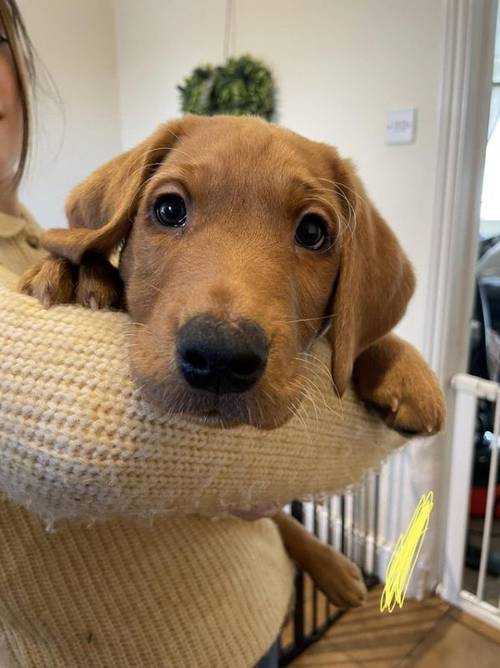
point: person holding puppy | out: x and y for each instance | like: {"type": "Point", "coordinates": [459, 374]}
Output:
{"type": "Point", "coordinates": [184, 591]}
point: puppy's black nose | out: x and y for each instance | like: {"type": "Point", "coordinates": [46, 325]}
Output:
{"type": "Point", "coordinates": [220, 357]}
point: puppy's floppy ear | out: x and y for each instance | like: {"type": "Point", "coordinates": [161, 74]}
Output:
{"type": "Point", "coordinates": [101, 209]}
{"type": "Point", "coordinates": [375, 279]}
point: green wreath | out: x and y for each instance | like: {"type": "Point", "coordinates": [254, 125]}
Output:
{"type": "Point", "coordinates": [243, 86]}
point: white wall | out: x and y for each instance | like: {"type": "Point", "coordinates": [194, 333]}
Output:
{"type": "Point", "coordinates": [76, 43]}
{"type": "Point", "coordinates": [159, 43]}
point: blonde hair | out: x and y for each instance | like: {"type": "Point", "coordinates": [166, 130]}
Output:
{"type": "Point", "coordinates": [23, 56]}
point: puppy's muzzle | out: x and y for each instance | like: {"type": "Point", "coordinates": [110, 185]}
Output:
{"type": "Point", "coordinates": [221, 357]}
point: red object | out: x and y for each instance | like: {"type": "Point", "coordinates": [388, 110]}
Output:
{"type": "Point", "coordinates": [478, 502]}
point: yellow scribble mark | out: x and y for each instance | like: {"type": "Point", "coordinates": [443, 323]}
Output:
{"type": "Point", "coordinates": [405, 555]}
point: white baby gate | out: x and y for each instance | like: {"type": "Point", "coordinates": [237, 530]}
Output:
{"type": "Point", "coordinates": [469, 390]}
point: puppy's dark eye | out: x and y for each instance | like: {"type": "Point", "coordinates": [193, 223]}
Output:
{"type": "Point", "coordinates": [170, 210]}
{"type": "Point", "coordinates": [311, 232]}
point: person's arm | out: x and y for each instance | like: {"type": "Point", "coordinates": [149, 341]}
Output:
{"type": "Point", "coordinates": [77, 440]}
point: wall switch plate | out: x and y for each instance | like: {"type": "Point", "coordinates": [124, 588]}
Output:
{"type": "Point", "coordinates": [401, 126]}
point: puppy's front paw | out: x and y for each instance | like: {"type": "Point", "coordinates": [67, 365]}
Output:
{"type": "Point", "coordinates": [51, 281]}
{"type": "Point", "coordinates": [337, 577]}
{"type": "Point", "coordinates": [393, 377]}
{"type": "Point", "coordinates": [99, 284]}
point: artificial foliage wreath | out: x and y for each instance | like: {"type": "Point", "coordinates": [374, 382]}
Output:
{"type": "Point", "coordinates": [243, 86]}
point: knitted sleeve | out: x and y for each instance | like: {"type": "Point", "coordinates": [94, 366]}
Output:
{"type": "Point", "coordinates": [77, 440]}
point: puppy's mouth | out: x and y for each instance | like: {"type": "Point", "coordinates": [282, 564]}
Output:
{"type": "Point", "coordinates": [213, 418]}
{"type": "Point", "coordinates": [214, 421]}
{"type": "Point", "coordinates": [223, 411]}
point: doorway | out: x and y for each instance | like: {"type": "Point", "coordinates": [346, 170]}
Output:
{"type": "Point", "coordinates": [482, 555]}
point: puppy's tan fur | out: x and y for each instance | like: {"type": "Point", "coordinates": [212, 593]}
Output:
{"type": "Point", "coordinates": [247, 184]}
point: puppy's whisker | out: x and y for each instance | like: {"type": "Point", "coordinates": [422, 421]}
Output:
{"type": "Point", "coordinates": [249, 413]}
{"type": "Point", "coordinates": [259, 408]}
{"type": "Point", "coordinates": [343, 186]}
{"type": "Point", "coordinates": [329, 408]}
{"type": "Point", "coordinates": [299, 414]}
{"type": "Point", "coordinates": [143, 325]}
{"type": "Point", "coordinates": [310, 397]}
{"type": "Point", "coordinates": [155, 287]}
{"type": "Point", "coordinates": [320, 373]}
{"type": "Point", "coordinates": [294, 410]}
{"type": "Point", "coordinates": [352, 213]}
{"type": "Point", "coordinates": [320, 317]}
{"type": "Point", "coordinates": [269, 397]}
{"type": "Point", "coordinates": [317, 363]}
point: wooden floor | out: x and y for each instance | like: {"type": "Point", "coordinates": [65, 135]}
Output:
{"type": "Point", "coordinates": [428, 634]}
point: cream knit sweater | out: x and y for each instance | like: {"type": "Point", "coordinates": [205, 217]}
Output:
{"type": "Point", "coordinates": [77, 441]}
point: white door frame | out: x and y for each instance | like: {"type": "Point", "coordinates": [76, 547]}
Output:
{"type": "Point", "coordinates": [463, 123]}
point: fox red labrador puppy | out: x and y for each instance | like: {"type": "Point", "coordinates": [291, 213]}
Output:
{"type": "Point", "coordinates": [240, 244]}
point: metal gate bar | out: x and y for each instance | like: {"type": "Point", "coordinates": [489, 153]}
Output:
{"type": "Point", "coordinates": [490, 502]}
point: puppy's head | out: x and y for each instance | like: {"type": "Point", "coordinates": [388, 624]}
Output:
{"type": "Point", "coordinates": [241, 243]}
